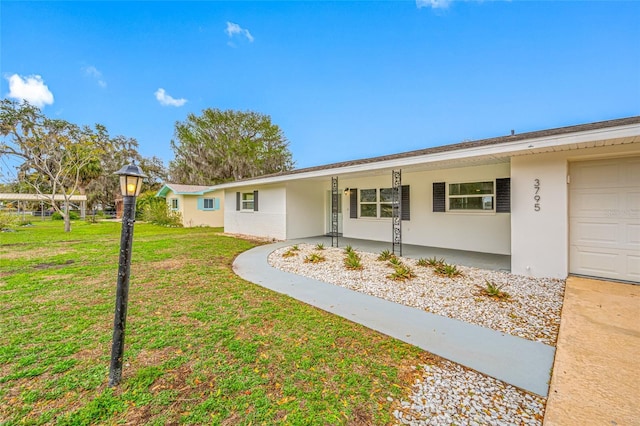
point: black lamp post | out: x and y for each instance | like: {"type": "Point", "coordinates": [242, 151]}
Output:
{"type": "Point", "coordinates": [130, 184]}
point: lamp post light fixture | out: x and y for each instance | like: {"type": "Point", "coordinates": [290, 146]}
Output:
{"type": "Point", "coordinates": [130, 184]}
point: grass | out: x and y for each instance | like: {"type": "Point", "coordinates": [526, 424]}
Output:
{"type": "Point", "coordinates": [202, 346]}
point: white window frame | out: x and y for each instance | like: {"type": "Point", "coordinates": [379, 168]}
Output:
{"type": "Point", "coordinates": [378, 203]}
{"type": "Point", "coordinates": [210, 201]}
{"type": "Point", "coordinates": [174, 204]}
{"type": "Point", "coordinates": [490, 197]}
{"type": "Point", "coordinates": [246, 203]}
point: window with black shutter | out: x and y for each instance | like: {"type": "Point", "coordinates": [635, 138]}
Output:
{"type": "Point", "coordinates": [439, 197]}
{"type": "Point", "coordinates": [503, 195]}
{"type": "Point", "coordinates": [353, 203]}
{"type": "Point", "coordinates": [405, 203]}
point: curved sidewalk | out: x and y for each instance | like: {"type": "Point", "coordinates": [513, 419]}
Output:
{"type": "Point", "coordinates": [519, 362]}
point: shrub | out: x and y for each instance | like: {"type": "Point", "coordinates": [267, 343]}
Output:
{"type": "Point", "coordinates": [422, 262]}
{"type": "Point", "coordinates": [353, 261]}
{"type": "Point", "coordinates": [386, 255]}
{"type": "Point", "coordinates": [289, 253]}
{"type": "Point", "coordinates": [314, 258]}
{"type": "Point", "coordinates": [394, 261]}
{"type": "Point", "coordinates": [161, 214]}
{"type": "Point", "coordinates": [447, 270]}
{"type": "Point", "coordinates": [319, 246]}
{"type": "Point", "coordinates": [8, 220]}
{"type": "Point", "coordinates": [58, 216]}
{"type": "Point", "coordinates": [434, 262]}
{"type": "Point", "coordinates": [348, 249]}
{"type": "Point", "coordinates": [401, 272]}
{"type": "Point", "coordinates": [493, 291]}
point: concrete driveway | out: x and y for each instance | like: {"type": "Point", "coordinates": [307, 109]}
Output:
{"type": "Point", "coordinates": [596, 372]}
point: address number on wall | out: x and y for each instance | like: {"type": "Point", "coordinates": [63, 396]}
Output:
{"type": "Point", "coordinates": [536, 195]}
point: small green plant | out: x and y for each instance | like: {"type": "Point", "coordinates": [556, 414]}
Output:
{"type": "Point", "coordinates": [295, 247]}
{"type": "Point", "coordinates": [435, 262]}
{"type": "Point", "coordinates": [319, 246]}
{"type": "Point", "coordinates": [401, 273]}
{"type": "Point", "coordinates": [394, 261]}
{"type": "Point", "coordinates": [386, 255]}
{"type": "Point", "coordinates": [353, 261]}
{"type": "Point", "coordinates": [422, 262]}
{"type": "Point", "coordinates": [314, 258]}
{"type": "Point", "coordinates": [494, 291]}
{"type": "Point", "coordinates": [348, 249]}
{"type": "Point", "coordinates": [447, 270]}
{"type": "Point", "coordinates": [289, 253]}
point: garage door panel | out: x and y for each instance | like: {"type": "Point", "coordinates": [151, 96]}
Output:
{"type": "Point", "coordinates": [594, 204]}
{"type": "Point", "coordinates": [596, 175]}
{"type": "Point", "coordinates": [596, 262]}
{"type": "Point", "coordinates": [604, 218]}
{"type": "Point", "coordinates": [633, 267]}
{"type": "Point", "coordinates": [584, 232]}
{"type": "Point", "coordinates": [633, 235]}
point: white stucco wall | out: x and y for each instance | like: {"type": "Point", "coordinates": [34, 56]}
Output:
{"type": "Point", "coordinates": [540, 239]}
{"type": "Point", "coordinates": [305, 208]}
{"type": "Point", "coordinates": [539, 245]}
{"type": "Point", "coordinates": [473, 231]}
{"type": "Point", "coordinates": [270, 219]}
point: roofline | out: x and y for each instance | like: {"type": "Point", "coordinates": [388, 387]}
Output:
{"type": "Point", "coordinates": [622, 127]}
{"type": "Point", "coordinates": [162, 193]}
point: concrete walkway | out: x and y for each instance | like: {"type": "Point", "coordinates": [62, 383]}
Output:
{"type": "Point", "coordinates": [596, 375]}
{"type": "Point", "coordinates": [517, 361]}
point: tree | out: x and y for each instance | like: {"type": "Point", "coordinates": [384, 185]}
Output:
{"type": "Point", "coordinates": [55, 154]}
{"type": "Point", "coordinates": [221, 146]}
{"type": "Point", "coordinates": [120, 151]}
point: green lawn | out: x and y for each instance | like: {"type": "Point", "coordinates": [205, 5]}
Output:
{"type": "Point", "coordinates": [202, 346]}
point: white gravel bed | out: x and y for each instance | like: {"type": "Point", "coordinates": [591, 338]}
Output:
{"type": "Point", "coordinates": [449, 394]}
{"type": "Point", "coordinates": [532, 311]}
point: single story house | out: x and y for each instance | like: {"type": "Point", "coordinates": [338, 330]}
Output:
{"type": "Point", "coordinates": [559, 201]}
{"type": "Point", "coordinates": [197, 205]}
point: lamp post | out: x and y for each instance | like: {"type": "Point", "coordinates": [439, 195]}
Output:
{"type": "Point", "coordinates": [130, 184]}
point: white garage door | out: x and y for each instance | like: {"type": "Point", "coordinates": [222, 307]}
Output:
{"type": "Point", "coordinates": [604, 220]}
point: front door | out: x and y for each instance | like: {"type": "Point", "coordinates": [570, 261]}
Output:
{"type": "Point", "coordinates": [327, 226]}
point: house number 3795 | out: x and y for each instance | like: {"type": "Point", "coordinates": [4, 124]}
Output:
{"type": "Point", "coordinates": [536, 195]}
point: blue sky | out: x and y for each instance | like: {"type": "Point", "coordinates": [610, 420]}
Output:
{"type": "Point", "coordinates": [344, 80]}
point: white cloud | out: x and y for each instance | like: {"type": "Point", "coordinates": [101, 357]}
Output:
{"type": "Point", "coordinates": [93, 72]}
{"type": "Point", "coordinates": [166, 100]}
{"type": "Point", "coordinates": [235, 29]}
{"type": "Point", "coordinates": [31, 89]}
{"type": "Point", "coordinates": [435, 4]}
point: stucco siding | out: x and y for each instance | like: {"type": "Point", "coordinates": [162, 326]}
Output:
{"type": "Point", "coordinates": [270, 219]}
{"type": "Point", "coordinates": [305, 208]}
{"type": "Point", "coordinates": [191, 216]}
{"type": "Point", "coordinates": [540, 238]}
{"type": "Point", "coordinates": [487, 232]}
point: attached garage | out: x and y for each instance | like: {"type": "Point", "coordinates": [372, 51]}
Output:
{"type": "Point", "coordinates": [604, 218]}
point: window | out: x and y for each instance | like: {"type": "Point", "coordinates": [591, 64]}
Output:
{"type": "Point", "coordinates": [247, 201]}
{"type": "Point", "coordinates": [376, 203]}
{"type": "Point", "coordinates": [471, 196]}
{"type": "Point", "coordinates": [174, 203]}
{"type": "Point", "coordinates": [208, 204]}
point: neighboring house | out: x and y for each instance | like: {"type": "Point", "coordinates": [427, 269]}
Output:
{"type": "Point", "coordinates": [558, 201]}
{"type": "Point", "coordinates": [198, 205]}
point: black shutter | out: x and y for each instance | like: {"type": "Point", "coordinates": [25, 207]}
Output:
{"type": "Point", "coordinates": [353, 203]}
{"type": "Point", "coordinates": [405, 203]}
{"type": "Point", "coordinates": [255, 201]}
{"type": "Point", "coordinates": [439, 197]}
{"type": "Point", "coordinates": [503, 195]}
{"type": "Point", "coordinates": [237, 201]}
